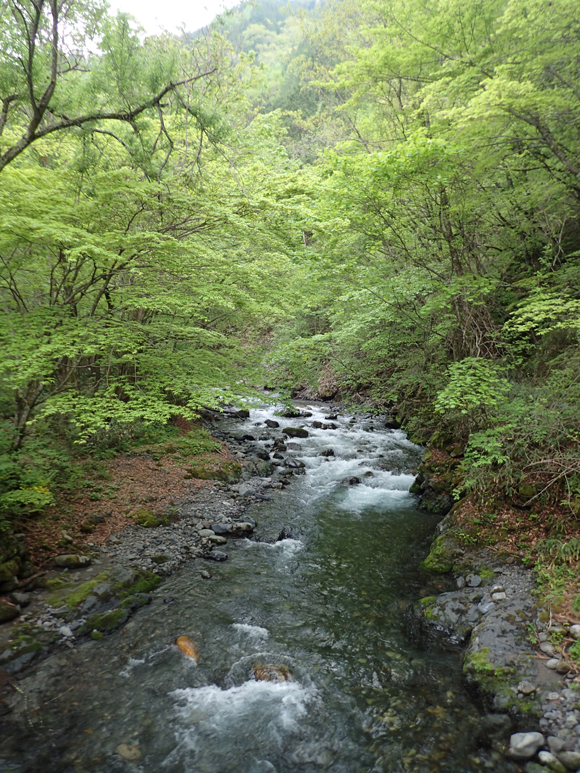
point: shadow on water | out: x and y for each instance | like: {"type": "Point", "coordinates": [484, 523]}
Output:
{"type": "Point", "coordinates": [328, 603]}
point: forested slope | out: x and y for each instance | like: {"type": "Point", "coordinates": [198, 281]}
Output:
{"type": "Point", "coordinates": [377, 200]}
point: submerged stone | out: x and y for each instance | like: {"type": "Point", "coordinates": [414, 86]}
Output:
{"type": "Point", "coordinates": [187, 646]}
{"type": "Point", "coordinates": [268, 672]}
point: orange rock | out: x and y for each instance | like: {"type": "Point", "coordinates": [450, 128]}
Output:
{"type": "Point", "coordinates": [268, 672]}
{"type": "Point", "coordinates": [186, 645]}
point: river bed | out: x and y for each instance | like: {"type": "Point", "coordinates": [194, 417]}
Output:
{"type": "Point", "coordinates": [328, 602]}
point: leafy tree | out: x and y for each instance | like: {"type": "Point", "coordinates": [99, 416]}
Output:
{"type": "Point", "coordinates": [50, 82]}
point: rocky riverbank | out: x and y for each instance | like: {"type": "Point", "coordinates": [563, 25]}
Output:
{"type": "Point", "coordinates": [515, 658]}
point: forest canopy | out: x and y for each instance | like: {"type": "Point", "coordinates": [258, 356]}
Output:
{"type": "Point", "coordinates": [377, 200]}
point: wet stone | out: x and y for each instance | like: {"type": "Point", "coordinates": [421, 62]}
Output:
{"type": "Point", "coordinates": [216, 555]}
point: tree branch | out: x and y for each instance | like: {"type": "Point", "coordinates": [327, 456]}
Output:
{"type": "Point", "coordinates": [128, 116]}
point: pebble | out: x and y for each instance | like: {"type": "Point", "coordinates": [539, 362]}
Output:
{"type": "Point", "coordinates": [499, 596]}
{"type": "Point", "coordinates": [523, 746]}
{"type": "Point", "coordinates": [547, 648]}
{"type": "Point", "coordinates": [526, 688]}
{"type": "Point", "coordinates": [555, 744]}
{"type": "Point", "coordinates": [571, 760]}
{"type": "Point", "coordinates": [552, 762]}
{"type": "Point", "coordinates": [575, 631]}
{"type": "Point", "coordinates": [552, 663]}
{"type": "Point", "coordinates": [474, 581]}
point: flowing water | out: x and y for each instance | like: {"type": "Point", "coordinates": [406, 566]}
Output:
{"type": "Point", "coordinates": [328, 603]}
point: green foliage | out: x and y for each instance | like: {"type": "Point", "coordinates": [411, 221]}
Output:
{"type": "Point", "coordinates": [474, 385]}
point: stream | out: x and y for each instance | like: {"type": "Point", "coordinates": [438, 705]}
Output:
{"type": "Point", "coordinates": [327, 602]}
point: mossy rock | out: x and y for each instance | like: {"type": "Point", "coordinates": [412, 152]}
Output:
{"type": "Point", "coordinates": [107, 621]}
{"type": "Point", "coordinates": [21, 644]}
{"type": "Point", "coordinates": [74, 597]}
{"type": "Point", "coordinates": [425, 607]}
{"type": "Point", "coordinates": [9, 569]}
{"type": "Point", "coordinates": [441, 556]}
{"type": "Point", "coordinates": [228, 472]}
{"type": "Point", "coordinates": [150, 520]}
{"type": "Point", "coordinates": [145, 582]}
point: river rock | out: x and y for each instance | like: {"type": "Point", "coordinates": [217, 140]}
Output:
{"type": "Point", "coordinates": [220, 529]}
{"type": "Point", "coordinates": [72, 561]}
{"type": "Point", "coordinates": [295, 464]}
{"type": "Point", "coordinates": [271, 423]}
{"type": "Point", "coordinates": [268, 672]}
{"type": "Point", "coordinates": [295, 432]}
{"type": "Point", "coordinates": [452, 614]}
{"type": "Point", "coordinates": [241, 527]}
{"type": "Point", "coordinates": [551, 762]}
{"type": "Point", "coordinates": [21, 598]}
{"type": "Point", "coordinates": [555, 744]}
{"type": "Point", "coordinates": [575, 631]}
{"type": "Point", "coordinates": [523, 746]}
{"type": "Point", "coordinates": [218, 540]}
{"type": "Point", "coordinates": [352, 480]}
{"type": "Point", "coordinates": [327, 452]}
{"type": "Point", "coordinates": [206, 533]}
{"type": "Point", "coordinates": [547, 648]}
{"type": "Point", "coordinates": [552, 664]}
{"type": "Point", "coordinates": [286, 533]}
{"type": "Point", "coordinates": [187, 646]}
{"type": "Point", "coordinates": [129, 752]}
{"type": "Point", "coordinates": [526, 688]}
{"type": "Point", "coordinates": [474, 581]}
{"type": "Point", "coordinates": [294, 447]}
{"type": "Point", "coordinates": [8, 611]}
{"type": "Point", "coordinates": [570, 760]}
{"type": "Point", "coordinates": [216, 555]}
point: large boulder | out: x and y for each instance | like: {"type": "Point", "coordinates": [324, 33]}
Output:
{"type": "Point", "coordinates": [295, 432]}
